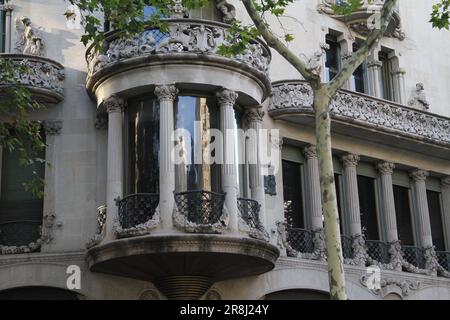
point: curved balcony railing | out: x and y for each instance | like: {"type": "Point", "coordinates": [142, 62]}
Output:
{"type": "Point", "coordinates": [347, 247]}
{"type": "Point", "coordinates": [184, 37]}
{"type": "Point", "coordinates": [378, 250]}
{"type": "Point", "coordinates": [200, 207]}
{"type": "Point", "coordinates": [20, 232]}
{"type": "Point", "coordinates": [137, 209]}
{"type": "Point", "coordinates": [101, 219]}
{"type": "Point", "coordinates": [444, 259]}
{"type": "Point", "coordinates": [249, 210]}
{"type": "Point", "coordinates": [414, 255]}
{"type": "Point", "coordinates": [295, 98]}
{"type": "Point", "coordinates": [301, 240]}
{"type": "Point", "coordinates": [43, 77]}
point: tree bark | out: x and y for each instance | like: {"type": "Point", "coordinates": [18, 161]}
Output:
{"type": "Point", "coordinates": [329, 200]}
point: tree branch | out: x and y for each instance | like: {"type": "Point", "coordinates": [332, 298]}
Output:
{"type": "Point", "coordinates": [275, 43]}
{"type": "Point", "coordinates": [359, 56]}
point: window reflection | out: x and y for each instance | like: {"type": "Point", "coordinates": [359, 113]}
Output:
{"type": "Point", "coordinates": [196, 115]}
{"type": "Point", "coordinates": [142, 146]}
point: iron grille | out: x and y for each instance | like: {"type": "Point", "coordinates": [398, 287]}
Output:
{"type": "Point", "coordinates": [200, 207]}
{"type": "Point", "coordinates": [347, 247]}
{"type": "Point", "coordinates": [20, 233]}
{"type": "Point", "coordinates": [414, 256]}
{"type": "Point", "coordinates": [137, 208]}
{"type": "Point", "coordinates": [301, 240]}
{"type": "Point", "coordinates": [378, 250]}
{"type": "Point", "coordinates": [249, 210]}
{"type": "Point", "coordinates": [444, 259]}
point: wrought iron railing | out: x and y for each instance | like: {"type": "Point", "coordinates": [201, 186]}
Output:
{"type": "Point", "coordinates": [200, 207]}
{"type": "Point", "coordinates": [301, 240]}
{"type": "Point", "coordinates": [347, 247]}
{"type": "Point", "coordinates": [444, 259]}
{"type": "Point", "coordinates": [378, 250]}
{"type": "Point", "coordinates": [20, 232]}
{"type": "Point", "coordinates": [249, 210]}
{"type": "Point", "coordinates": [414, 255]}
{"type": "Point", "coordinates": [137, 209]}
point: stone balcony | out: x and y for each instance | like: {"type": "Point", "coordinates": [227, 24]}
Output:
{"type": "Point", "coordinates": [363, 116]}
{"type": "Point", "coordinates": [183, 262]}
{"type": "Point", "coordinates": [43, 77]}
{"type": "Point", "coordinates": [187, 53]}
{"type": "Point", "coordinates": [359, 20]}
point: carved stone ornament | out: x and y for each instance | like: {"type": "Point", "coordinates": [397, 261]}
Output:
{"type": "Point", "coordinates": [257, 233]}
{"type": "Point", "coordinates": [182, 37]}
{"type": "Point", "coordinates": [227, 97]}
{"type": "Point", "coordinates": [181, 222]}
{"type": "Point", "coordinates": [283, 243]}
{"type": "Point", "coordinates": [101, 227]}
{"type": "Point", "coordinates": [254, 115]}
{"type": "Point", "coordinates": [53, 127]}
{"type": "Point", "coordinates": [40, 74]}
{"type": "Point", "coordinates": [404, 286]}
{"type": "Point", "coordinates": [310, 152]}
{"type": "Point", "coordinates": [386, 168]}
{"type": "Point", "coordinates": [360, 256]}
{"type": "Point", "coordinates": [432, 263]}
{"type": "Point", "coordinates": [419, 175]}
{"type": "Point", "coordinates": [149, 294]}
{"type": "Point", "coordinates": [29, 39]}
{"type": "Point", "coordinates": [297, 97]}
{"type": "Point", "coordinates": [350, 160]}
{"type": "Point", "coordinates": [101, 121]}
{"type": "Point", "coordinates": [178, 11]}
{"type": "Point", "coordinates": [227, 10]}
{"type": "Point", "coordinates": [418, 98]}
{"type": "Point", "coordinates": [314, 63]}
{"type": "Point", "coordinates": [114, 104]}
{"type": "Point", "coordinates": [270, 185]}
{"type": "Point", "coordinates": [140, 229]}
{"type": "Point", "coordinates": [166, 92]}
{"type": "Point", "coordinates": [319, 252]}
{"type": "Point", "coordinates": [398, 262]}
{"type": "Point", "coordinates": [213, 295]}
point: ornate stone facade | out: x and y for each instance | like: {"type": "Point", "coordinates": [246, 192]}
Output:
{"type": "Point", "coordinates": [297, 97]}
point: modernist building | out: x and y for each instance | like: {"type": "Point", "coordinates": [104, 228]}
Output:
{"type": "Point", "coordinates": [139, 227]}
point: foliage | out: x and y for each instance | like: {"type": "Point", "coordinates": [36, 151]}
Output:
{"type": "Point", "coordinates": [440, 16]}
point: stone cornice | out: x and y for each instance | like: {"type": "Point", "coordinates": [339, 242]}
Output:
{"type": "Point", "coordinates": [296, 98]}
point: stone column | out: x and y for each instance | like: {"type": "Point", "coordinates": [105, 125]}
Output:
{"type": "Point", "coordinates": [386, 170]}
{"type": "Point", "coordinates": [114, 176]}
{"type": "Point", "coordinates": [419, 178]}
{"type": "Point", "coordinates": [399, 85]}
{"type": "Point", "coordinates": [374, 75]}
{"type": "Point", "coordinates": [254, 119]}
{"type": "Point", "coordinates": [166, 95]}
{"type": "Point", "coordinates": [227, 99]}
{"type": "Point", "coordinates": [313, 186]}
{"type": "Point", "coordinates": [8, 8]}
{"type": "Point", "coordinates": [445, 183]}
{"type": "Point", "coordinates": [350, 161]}
{"type": "Point", "coordinates": [344, 57]}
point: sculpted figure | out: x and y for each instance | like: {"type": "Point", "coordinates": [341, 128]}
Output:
{"type": "Point", "coordinates": [418, 98]}
{"type": "Point", "coordinates": [29, 41]}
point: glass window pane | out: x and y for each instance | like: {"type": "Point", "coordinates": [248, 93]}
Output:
{"type": "Point", "coordinates": [403, 215]}
{"type": "Point", "coordinates": [332, 58]}
{"type": "Point", "coordinates": [2, 30]}
{"type": "Point", "coordinates": [143, 146]}
{"type": "Point", "coordinates": [197, 115]}
{"type": "Point", "coordinates": [292, 192]}
{"type": "Point", "coordinates": [367, 203]}
{"type": "Point", "coordinates": [437, 230]}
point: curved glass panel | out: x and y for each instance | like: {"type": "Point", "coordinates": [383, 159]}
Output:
{"type": "Point", "coordinates": [142, 146]}
{"type": "Point", "coordinates": [196, 115]}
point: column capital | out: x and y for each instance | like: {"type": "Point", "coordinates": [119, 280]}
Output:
{"type": "Point", "coordinates": [114, 104]}
{"type": "Point", "coordinates": [310, 152]}
{"type": "Point", "coordinates": [399, 71]}
{"type": "Point", "coordinates": [166, 92]}
{"type": "Point", "coordinates": [350, 160]}
{"type": "Point", "coordinates": [374, 64]}
{"type": "Point", "coordinates": [445, 181]}
{"type": "Point", "coordinates": [53, 127]}
{"type": "Point", "coordinates": [386, 168]}
{"type": "Point", "coordinates": [226, 96]}
{"type": "Point", "coordinates": [419, 175]}
{"type": "Point", "coordinates": [7, 7]}
{"type": "Point", "coordinates": [254, 115]}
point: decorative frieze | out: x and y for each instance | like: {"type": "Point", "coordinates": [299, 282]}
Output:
{"type": "Point", "coordinates": [296, 97]}
{"type": "Point", "coordinates": [184, 36]}
{"type": "Point", "coordinates": [405, 287]}
{"type": "Point", "coordinates": [42, 76]}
